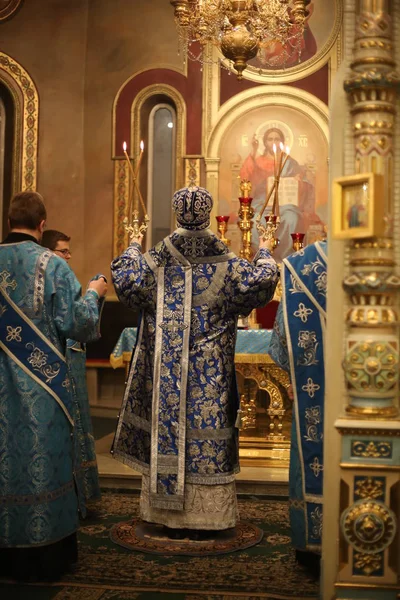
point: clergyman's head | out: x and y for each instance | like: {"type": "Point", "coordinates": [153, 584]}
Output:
{"type": "Point", "coordinates": [58, 242]}
{"type": "Point", "coordinates": [27, 212]}
{"type": "Point", "coordinates": [192, 207]}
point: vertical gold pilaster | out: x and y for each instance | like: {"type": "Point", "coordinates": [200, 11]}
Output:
{"type": "Point", "coordinates": [192, 170]}
{"type": "Point", "coordinates": [370, 431]}
{"type": "Point", "coordinates": [121, 200]}
{"type": "Point", "coordinates": [372, 341]}
{"type": "Point", "coordinates": [212, 174]}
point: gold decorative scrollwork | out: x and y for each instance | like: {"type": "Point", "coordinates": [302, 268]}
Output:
{"type": "Point", "coordinates": [369, 488]}
{"type": "Point", "coordinates": [121, 195]}
{"type": "Point", "coordinates": [368, 526]}
{"type": "Point", "coordinates": [368, 564]}
{"type": "Point", "coordinates": [370, 449]}
{"type": "Point", "coordinates": [192, 171]}
{"type": "Point", "coordinates": [29, 117]}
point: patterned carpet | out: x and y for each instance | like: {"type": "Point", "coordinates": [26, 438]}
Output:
{"type": "Point", "coordinates": [106, 571]}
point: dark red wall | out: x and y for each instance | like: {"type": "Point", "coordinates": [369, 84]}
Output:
{"type": "Point", "coordinates": [316, 84]}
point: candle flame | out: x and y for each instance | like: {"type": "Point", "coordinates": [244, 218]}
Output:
{"type": "Point", "coordinates": [281, 146]}
{"type": "Point", "coordinates": [287, 150]}
{"type": "Point", "coordinates": [141, 146]}
{"type": "Point", "coordinates": [274, 148]}
{"type": "Point", "coordinates": [124, 146]}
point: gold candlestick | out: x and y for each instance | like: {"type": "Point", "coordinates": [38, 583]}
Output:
{"type": "Point", "coordinates": [245, 223]}
{"type": "Point", "coordinates": [222, 222]}
{"type": "Point", "coordinates": [131, 222]}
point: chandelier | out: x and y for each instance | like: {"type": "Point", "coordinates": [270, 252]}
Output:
{"type": "Point", "coordinates": [242, 29]}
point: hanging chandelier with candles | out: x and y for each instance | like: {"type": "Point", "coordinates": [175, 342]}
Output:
{"type": "Point", "coordinates": [240, 29]}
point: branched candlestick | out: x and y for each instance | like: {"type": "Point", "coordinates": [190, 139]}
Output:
{"type": "Point", "coordinates": [245, 223]}
{"type": "Point", "coordinates": [222, 222]}
{"type": "Point", "coordinates": [268, 231]}
{"type": "Point", "coordinates": [131, 222]}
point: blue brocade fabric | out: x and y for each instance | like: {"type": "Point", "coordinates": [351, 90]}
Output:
{"type": "Point", "coordinates": [177, 422]}
{"type": "Point", "coordinates": [297, 345]}
{"type": "Point", "coordinates": [38, 501]}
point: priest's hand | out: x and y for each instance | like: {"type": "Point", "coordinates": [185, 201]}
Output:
{"type": "Point", "coordinates": [267, 244]}
{"type": "Point", "coordinates": [99, 286]}
{"type": "Point", "coordinates": [138, 239]}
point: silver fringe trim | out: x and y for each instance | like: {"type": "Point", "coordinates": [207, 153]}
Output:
{"type": "Point", "coordinates": [131, 462]}
{"type": "Point", "coordinates": [210, 434]}
{"type": "Point", "coordinates": [167, 469]}
{"type": "Point", "coordinates": [212, 259]}
{"type": "Point", "coordinates": [38, 291]}
{"type": "Point", "coordinates": [138, 422]}
{"type": "Point", "coordinates": [168, 460]}
{"type": "Point", "coordinates": [211, 479]}
{"type": "Point", "coordinates": [167, 503]}
{"type": "Point", "coordinates": [156, 381]}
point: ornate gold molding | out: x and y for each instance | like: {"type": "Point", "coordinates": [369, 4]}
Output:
{"type": "Point", "coordinates": [386, 432]}
{"type": "Point", "coordinates": [355, 466]}
{"type": "Point", "coordinates": [121, 199]}
{"type": "Point", "coordinates": [8, 8]}
{"type": "Point", "coordinates": [16, 77]}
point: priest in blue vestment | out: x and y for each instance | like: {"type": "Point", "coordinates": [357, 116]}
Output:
{"type": "Point", "coordinates": [297, 345]}
{"type": "Point", "coordinates": [179, 417]}
{"type": "Point", "coordinates": [40, 307]}
{"type": "Point", "coordinates": [87, 470]}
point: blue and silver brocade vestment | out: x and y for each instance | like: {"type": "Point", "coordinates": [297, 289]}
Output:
{"type": "Point", "coordinates": [38, 498]}
{"type": "Point", "coordinates": [177, 422]}
{"type": "Point", "coordinates": [297, 345]}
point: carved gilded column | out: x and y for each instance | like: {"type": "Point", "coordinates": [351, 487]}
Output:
{"type": "Point", "coordinates": [370, 456]}
{"type": "Point", "coordinates": [212, 170]}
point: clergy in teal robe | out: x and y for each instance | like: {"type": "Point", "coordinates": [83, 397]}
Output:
{"type": "Point", "coordinates": [40, 307]}
{"type": "Point", "coordinates": [178, 422]}
{"type": "Point", "coordinates": [297, 345]}
{"type": "Point", "coordinates": [86, 469]}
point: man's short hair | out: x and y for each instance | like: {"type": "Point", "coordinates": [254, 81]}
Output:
{"type": "Point", "coordinates": [50, 238]}
{"type": "Point", "coordinates": [27, 211]}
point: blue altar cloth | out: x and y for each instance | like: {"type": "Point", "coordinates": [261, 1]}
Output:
{"type": "Point", "coordinates": [248, 341]}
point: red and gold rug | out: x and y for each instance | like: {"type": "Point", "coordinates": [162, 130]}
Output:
{"type": "Point", "coordinates": [145, 537]}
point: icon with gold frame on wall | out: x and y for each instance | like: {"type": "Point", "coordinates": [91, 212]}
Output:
{"type": "Point", "coordinates": [358, 207]}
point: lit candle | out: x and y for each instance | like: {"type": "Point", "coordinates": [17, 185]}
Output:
{"type": "Point", "coordinates": [141, 146]}
{"type": "Point", "coordinates": [128, 159]}
{"type": "Point", "coordinates": [281, 147]}
{"type": "Point", "coordinates": [286, 157]}
{"type": "Point", "coordinates": [124, 146]}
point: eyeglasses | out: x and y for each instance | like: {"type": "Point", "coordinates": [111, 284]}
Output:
{"type": "Point", "coordinates": [64, 252]}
